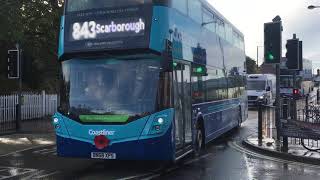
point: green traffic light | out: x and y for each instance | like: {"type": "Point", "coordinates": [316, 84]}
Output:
{"type": "Point", "coordinates": [199, 70]}
{"type": "Point", "coordinates": [270, 56]}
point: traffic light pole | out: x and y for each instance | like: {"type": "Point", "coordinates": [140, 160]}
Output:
{"type": "Point", "coordinates": [18, 116]}
{"type": "Point", "coordinates": [278, 123]}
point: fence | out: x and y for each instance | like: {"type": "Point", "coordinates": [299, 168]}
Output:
{"type": "Point", "coordinates": [34, 106]}
{"type": "Point", "coordinates": [302, 110]}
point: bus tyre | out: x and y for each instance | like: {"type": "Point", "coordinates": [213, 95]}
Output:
{"type": "Point", "coordinates": [199, 145]}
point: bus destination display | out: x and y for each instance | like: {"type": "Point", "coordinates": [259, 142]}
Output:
{"type": "Point", "coordinates": [107, 29]}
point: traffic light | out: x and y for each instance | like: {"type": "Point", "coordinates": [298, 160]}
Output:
{"type": "Point", "coordinates": [272, 42]}
{"type": "Point", "coordinates": [199, 70]}
{"type": "Point", "coordinates": [293, 54]}
{"type": "Point", "coordinates": [13, 64]}
{"type": "Point", "coordinates": [296, 92]}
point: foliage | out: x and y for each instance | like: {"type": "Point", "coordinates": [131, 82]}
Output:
{"type": "Point", "coordinates": [251, 66]}
{"type": "Point", "coordinates": [35, 25]}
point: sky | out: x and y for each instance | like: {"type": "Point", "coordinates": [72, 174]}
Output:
{"type": "Point", "coordinates": [250, 15]}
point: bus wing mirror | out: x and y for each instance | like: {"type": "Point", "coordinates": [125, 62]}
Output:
{"type": "Point", "coordinates": [268, 88]}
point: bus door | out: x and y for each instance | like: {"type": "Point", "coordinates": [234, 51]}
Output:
{"type": "Point", "coordinates": [182, 104]}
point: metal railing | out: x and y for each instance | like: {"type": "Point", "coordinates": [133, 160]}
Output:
{"type": "Point", "coordinates": [301, 109]}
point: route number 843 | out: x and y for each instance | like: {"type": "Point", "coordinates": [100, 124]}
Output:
{"type": "Point", "coordinates": [85, 31]}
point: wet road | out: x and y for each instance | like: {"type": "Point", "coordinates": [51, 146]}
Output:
{"type": "Point", "coordinates": [223, 159]}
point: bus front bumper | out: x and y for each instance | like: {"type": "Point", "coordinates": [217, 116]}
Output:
{"type": "Point", "coordinates": [158, 148]}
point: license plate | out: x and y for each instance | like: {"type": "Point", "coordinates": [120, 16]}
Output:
{"type": "Point", "coordinates": [102, 155]}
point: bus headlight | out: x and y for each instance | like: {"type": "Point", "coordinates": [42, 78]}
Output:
{"type": "Point", "coordinates": [261, 97]}
{"type": "Point", "coordinates": [160, 121]}
{"type": "Point", "coordinates": [158, 126]}
{"type": "Point", "coordinates": [56, 123]}
{"type": "Point", "coordinates": [56, 120]}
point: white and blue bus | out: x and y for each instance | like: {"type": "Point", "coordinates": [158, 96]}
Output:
{"type": "Point", "coordinates": [147, 79]}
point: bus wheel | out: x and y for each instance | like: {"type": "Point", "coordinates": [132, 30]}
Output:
{"type": "Point", "coordinates": [199, 145]}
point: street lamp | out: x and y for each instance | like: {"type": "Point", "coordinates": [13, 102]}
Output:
{"type": "Point", "coordinates": [313, 7]}
{"type": "Point", "coordinates": [258, 55]}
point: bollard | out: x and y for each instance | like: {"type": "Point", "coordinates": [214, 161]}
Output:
{"type": "Point", "coordinates": [18, 120]}
{"type": "Point", "coordinates": [294, 109]}
{"type": "Point", "coordinates": [285, 108]}
{"type": "Point", "coordinates": [307, 107]}
{"type": "Point", "coordinates": [260, 124]}
{"type": "Point", "coordinates": [318, 95]}
{"type": "Point", "coordinates": [285, 144]}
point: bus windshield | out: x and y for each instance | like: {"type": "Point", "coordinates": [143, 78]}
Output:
{"type": "Point", "coordinates": [81, 5]}
{"type": "Point", "coordinates": [110, 86]}
{"type": "Point", "coordinates": [256, 85]}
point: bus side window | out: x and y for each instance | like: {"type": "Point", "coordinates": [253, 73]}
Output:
{"type": "Point", "coordinates": [180, 5]}
{"type": "Point", "coordinates": [208, 17]}
{"type": "Point", "coordinates": [194, 10]}
{"type": "Point", "coordinates": [220, 29]}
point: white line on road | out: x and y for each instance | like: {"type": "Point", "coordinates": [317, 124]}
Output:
{"type": "Point", "coordinates": [197, 159]}
{"type": "Point", "coordinates": [22, 172]}
{"type": "Point", "coordinates": [45, 151]}
{"type": "Point", "coordinates": [235, 146]}
{"type": "Point", "coordinates": [27, 149]}
{"type": "Point", "coordinates": [136, 176]}
{"type": "Point", "coordinates": [47, 175]}
{"type": "Point", "coordinates": [158, 173]}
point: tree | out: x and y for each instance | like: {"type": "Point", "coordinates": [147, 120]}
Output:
{"type": "Point", "coordinates": [35, 25]}
{"type": "Point", "coordinates": [251, 66]}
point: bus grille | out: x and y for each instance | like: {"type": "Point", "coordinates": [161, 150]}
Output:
{"type": "Point", "coordinates": [252, 98]}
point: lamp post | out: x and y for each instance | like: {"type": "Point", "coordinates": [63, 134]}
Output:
{"type": "Point", "coordinates": [313, 7]}
{"type": "Point", "coordinates": [258, 56]}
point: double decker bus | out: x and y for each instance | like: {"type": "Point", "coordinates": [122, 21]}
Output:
{"type": "Point", "coordinates": [147, 79]}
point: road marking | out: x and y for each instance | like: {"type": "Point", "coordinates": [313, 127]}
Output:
{"type": "Point", "coordinates": [15, 172]}
{"type": "Point", "coordinates": [46, 151]}
{"type": "Point", "coordinates": [40, 175]}
{"type": "Point", "coordinates": [158, 172]}
{"type": "Point", "coordinates": [152, 177]}
{"type": "Point", "coordinates": [234, 145]}
{"type": "Point", "coordinates": [27, 149]}
{"type": "Point", "coordinates": [197, 159]}
{"type": "Point", "coordinates": [136, 176]}
{"type": "Point", "coordinates": [47, 175]}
